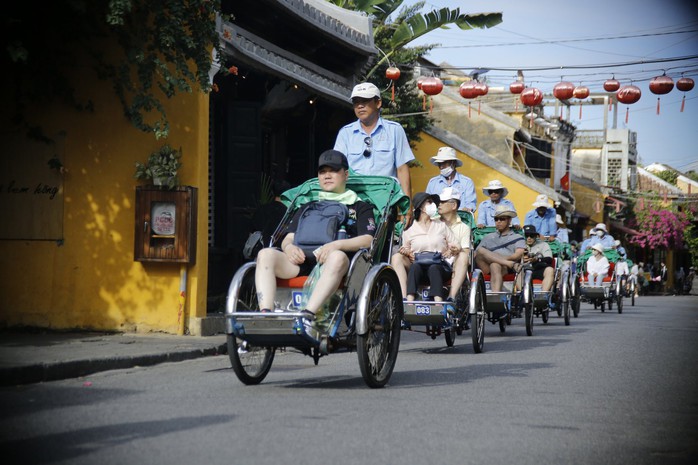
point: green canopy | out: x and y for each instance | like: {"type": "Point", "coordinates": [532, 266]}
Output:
{"type": "Point", "coordinates": [479, 233]}
{"type": "Point", "coordinates": [381, 191]}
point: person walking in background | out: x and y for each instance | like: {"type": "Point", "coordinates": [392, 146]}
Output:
{"type": "Point", "coordinates": [447, 162]}
{"type": "Point", "coordinates": [679, 278]}
{"type": "Point", "coordinates": [485, 212]}
{"type": "Point", "coordinates": [562, 231]}
{"type": "Point", "coordinates": [373, 145]}
{"type": "Point", "coordinates": [543, 218]}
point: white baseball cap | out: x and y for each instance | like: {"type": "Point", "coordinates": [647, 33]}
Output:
{"type": "Point", "coordinates": [541, 201]}
{"type": "Point", "coordinates": [365, 90]}
{"type": "Point", "coordinates": [449, 193]}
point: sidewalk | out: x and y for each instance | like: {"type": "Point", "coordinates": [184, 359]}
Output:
{"type": "Point", "coordinates": [32, 356]}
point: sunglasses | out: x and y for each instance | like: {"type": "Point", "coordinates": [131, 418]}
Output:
{"type": "Point", "coordinates": [533, 236]}
{"type": "Point", "coordinates": [367, 152]}
{"type": "Point", "coordinates": [501, 218]}
{"type": "Point", "coordinates": [495, 191]}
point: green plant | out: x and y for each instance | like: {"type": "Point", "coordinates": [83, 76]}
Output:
{"type": "Point", "coordinates": [161, 167]}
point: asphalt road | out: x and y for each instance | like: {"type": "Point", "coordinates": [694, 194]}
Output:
{"type": "Point", "coordinates": [609, 389]}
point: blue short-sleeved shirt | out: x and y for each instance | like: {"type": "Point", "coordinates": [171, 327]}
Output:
{"type": "Point", "coordinates": [607, 242]}
{"type": "Point", "coordinates": [389, 148]}
{"type": "Point", "coordinates": [485, 212]}
{"type": "Point", "coordinates": [545, 225]}
{"type": "Point", "coordinates": [464, 185]}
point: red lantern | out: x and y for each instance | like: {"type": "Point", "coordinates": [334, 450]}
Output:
{"type": "Point", "coordinates": [482, 88]}
{"type": "Point", "coordinates": [393, 74]}
{"type": "Point", "coordinates": [531, 97]}
{"type": "Point", "coordinates": [517, 87]}
{"type": "Point", "coordinates": [684, 85]}
{"type": "Point", "coordinates": [580, 92]}
{"type": "Point", "coordinates": [420, 81]}
{"type": "Point", "coordinates": [611, 85]}
{"type": "Point", "coordinates": [468, 90]}
{"type": "Point", "coordinates": [563, 90]}
{"type": "Point", "coordinates": [432, 86]}
{"type": "Point", "coordinates": [661, 85]}
{"type": "Point", "coordinates": [628, 95]}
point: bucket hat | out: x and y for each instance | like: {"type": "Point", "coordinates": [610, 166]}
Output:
{"type": "Point", "coordinates": [420, 197]}
{"type": "Point", "coordinates": [494, 185]}
{"type": "Point", "coordinates": [503, 210]}
{"type": "Point", "coordinates": [445, 154]}
{"type": "Point", "coordinates": [599, 226]}
{"type": "Point", "coordinates": [598, 247]}
{"type": "Point", "coordinates": [541, 201]}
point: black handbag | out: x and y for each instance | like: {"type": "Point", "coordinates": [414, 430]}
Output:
{"type": "Point", "coordinates": [253, 245]}
{"type": "Point", "coordinates": [428, 258]}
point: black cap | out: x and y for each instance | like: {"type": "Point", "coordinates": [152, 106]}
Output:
{"type": "Point", "coordinates": [334, 159]}
{"type": "Point", "coordinates": [421, 197]}
{"type": "Point", "coordinates": [530, 229]}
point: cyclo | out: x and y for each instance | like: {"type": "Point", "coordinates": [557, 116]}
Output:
{"type": "Point", "coordinates": [365, 313]}
{"type": "Point", "coordinates": [611, 289]}
{"type": "Point", "coordinates": [515, 300]}
{"type": "Point", "coordinates": [559, 297]}
{"type": "Point", "coordinates": [451, 318]}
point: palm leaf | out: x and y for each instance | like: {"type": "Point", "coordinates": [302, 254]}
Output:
{"type": "Point", "coordinates": [418, 25]}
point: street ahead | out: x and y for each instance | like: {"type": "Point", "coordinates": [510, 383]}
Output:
{"type": "Point", "coordinates": [609, 389]}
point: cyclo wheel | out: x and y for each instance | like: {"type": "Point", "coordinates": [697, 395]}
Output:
{"type": "Point", "coordinates": [619, 304]}
{"type": "Point", "coordinates": [632, 294]}
{"type": "Point", "coordinates": [478, 311]}
{"type": "Point", "coordinates": [462, 306]}
{"type": "Point", "coordinates": [528, 303]}
{"type": "Point", "coordinates": [450, 336]}
{"type": "Point", "coordinates": [378, 336]}
{"type": "Point", "coordinates": [545, 315]}
{"type": "Point", "coordinates": [251, 364]}
{"type": "Point", "coordinates": [565, 303]}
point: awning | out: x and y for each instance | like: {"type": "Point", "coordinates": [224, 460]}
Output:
{"type": "Point", "coordinates": [620, 227]}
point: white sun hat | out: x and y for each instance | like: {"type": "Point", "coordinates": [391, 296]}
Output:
{"type": "Point", "coordinates": [445, 154]}
{"type": "Point", "coordinates": [449, 193]}
{"type": "Point", "coordinates": [493, 186]}
{"type": "Point", "coordinates": [598, 247]}
{"type": "Point", "coordinates": [541, 201]}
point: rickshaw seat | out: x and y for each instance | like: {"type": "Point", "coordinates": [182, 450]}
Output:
{"type": "Point", "coordinates": [509, 277]}
{"type": "Point", "coordinates": [299, 281]}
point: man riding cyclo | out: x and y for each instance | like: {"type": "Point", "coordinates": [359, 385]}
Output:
{"type": "Point", "coordinates": [598, 235]}
{"type": "Point", "coordinates": [297, 258]}
{"type": "Point", "coordinates": [539, 257]}
{"type": "Point", "coordinates": [500, 252]}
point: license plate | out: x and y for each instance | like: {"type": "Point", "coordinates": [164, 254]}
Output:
{"type": "Point", "coordinates": [422, 310]}
{"type": "Point", "coordinates": [487, 285]}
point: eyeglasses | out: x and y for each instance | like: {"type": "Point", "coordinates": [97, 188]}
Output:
{"type": "Point", "coordinates": [367, 152]}
{"type": "Point", "coordinates": [501, 218]}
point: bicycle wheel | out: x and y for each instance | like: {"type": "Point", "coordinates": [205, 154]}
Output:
{"type": "Point", "coordinates": [251, 364]}
{"type": "Point", "coordinates": [479, 315]}
{"type": "Point", "coordinates": [377, 347]}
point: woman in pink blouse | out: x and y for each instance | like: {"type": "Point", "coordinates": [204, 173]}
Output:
{"type": "Point", "coordinates": [426, 235]}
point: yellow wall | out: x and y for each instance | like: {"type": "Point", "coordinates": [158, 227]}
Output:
{"type": "Point", "coordinates": [520, 194]}
{"type": "Point", "coordinates": [585, 198]}
{"type": "Point", "coordinates": [90, 280]}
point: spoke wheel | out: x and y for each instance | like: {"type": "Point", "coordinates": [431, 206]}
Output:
{"type": "Point", "coordinates": [619, 304]}
{"type": "Point", "coordinates": [632, 294]}
{"type": "Point", "coordinates": [251, 364]}
{"type": "Point", "coordinates": [462, 307]}
{"type": "Point", "coordinates": [477, 325]}
{"type": "Point", "coordinates": [545, 315]}
{"type": "Point", "coordinates": [576, 300]}
{"type": "Point", "coordinates": [377, 349]}
{"type": "Point", "coordinates": [565, 303]}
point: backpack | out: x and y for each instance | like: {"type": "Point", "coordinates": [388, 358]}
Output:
{"type": "Point", "coordinates": [318, 224]}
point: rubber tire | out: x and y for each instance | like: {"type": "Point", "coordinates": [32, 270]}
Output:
{"type": "Point", "coordinates": [566, 309]}
{"type": "Point", "coordinates": [603, 307]}
{"type": "Point", "coordinates": [450, 336]}
{"type": "Point", "coordinates": [254, 366]}
{"type": "Point", "coordinates": [545, 315]}
{"type": "Point", "coordinates": [619, 304]}
{"type": "Point", "coordinates": [477, 323]}
{"type": "Point", "coordinates": [502, 325]}
{"type": "Point", "coordinates": [377, 349]}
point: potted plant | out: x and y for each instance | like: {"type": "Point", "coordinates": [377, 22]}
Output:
{"type": "Point", "coordinates": [161, 167]}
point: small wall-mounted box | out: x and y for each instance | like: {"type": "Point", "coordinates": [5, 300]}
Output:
{"type": "Point", "coordinates": [165, 229]}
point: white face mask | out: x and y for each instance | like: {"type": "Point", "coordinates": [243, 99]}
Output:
{"type": "Point", "coordinates": [431, 210]}
{"type": "Point", "coordinates": [599, 233]}
{"type": "Point", "coordinates": [446, 172]}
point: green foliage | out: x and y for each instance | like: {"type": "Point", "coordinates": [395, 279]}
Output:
{"type": "Point", "coordinates": [165, 48]}
{"type": "Point", "coordinates": [391, 36]}
{"type": "Point", "coordinates": [162, 164]}
{"type": "Point", "coordinates": [692, 175]}
{"type": "Point", "coordinates": [668, 176]}
{"type": "Point", "coordinates": [690, 237]}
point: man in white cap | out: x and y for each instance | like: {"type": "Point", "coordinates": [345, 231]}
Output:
{"type": "Point", "coordinates": [485, 212]}
{"type": "Point", "coordinates": [500, 252]}
{"type": "Point", "coordinates": [598, 235]}
{"type": "Point", "coordinates": [447, 161]}
{"type": "Point", "coordinates": [448, 210]}
{"type": "Point", "coordinates": [562, 232]}
{"type": "Point", "coordinates": [543, 218]}
{"type": "Point", "coordinates": [375, 146]}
